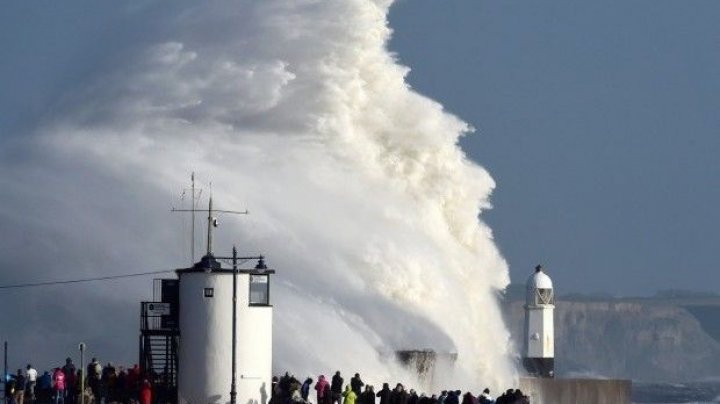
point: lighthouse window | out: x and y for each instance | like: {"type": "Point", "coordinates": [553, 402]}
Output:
{"type": "Point", "coordinates": [544, 296]}
{"type": "Point", "coordinates": [259, 290]}
{"type": "Point", "coordinates": [209, 292]}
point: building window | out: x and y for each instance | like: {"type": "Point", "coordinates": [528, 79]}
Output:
{"type": "Point", "coordinates": [209, 292]}
{"type": "Point", "coordinates": [259, 290]}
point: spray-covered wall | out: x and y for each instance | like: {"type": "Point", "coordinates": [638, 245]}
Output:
{"type": "Point", "coordinates": [295, 109]}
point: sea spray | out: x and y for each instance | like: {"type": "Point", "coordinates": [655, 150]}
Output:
{"type": "Point", "coordinates": [358, 191]}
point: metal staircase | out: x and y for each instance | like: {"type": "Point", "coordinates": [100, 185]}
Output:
{"type": "Point", "coordinates": [159, 338]}
{"type": "Point", "coordinates": [160, 355]}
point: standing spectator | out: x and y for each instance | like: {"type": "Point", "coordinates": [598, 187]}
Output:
{"type": "Point", "coordinates": [327, 396]}
{"type": "Point", "coordinates": [336, 387]}
{"type": "Point", "coordinates": [452, 398]}
{"type": "Point", "coordinates": [108, 382]}
{"type": "Point", "coordinates": [59, 386]}
{"type": "Point", "coordinates": [413, 397]}
{"type": "Point", "coordinates": [506, 397]}
{"type": "Point", "coordinates": [485, 397]}
{"type": "Point", "coordinates": [45, 387]}
{"type": "Point", "coordinates": [520, 398]}
{"type": "Point", "coordinates": [146, 392]}
{"type": "Point", "coordinates": [70, 381]}
{"type": "Point", "coordinates": [356, 383]}
{"type": "Point", "coordinates": [367, 396]}
{"type": "Point", "coordinates": [20, 386]}
{"type": "Point", "coordinates": [94, 373]}
{"type": "Point", "coordinates": [122, 388]}
{"type": "Point", "coordinates": [349, 396]}
{"type": "Point", "coordinates": [320, 388]}
{"type": "Point", "coordinates": [468, 398]}
{"type": "Point", "coordinates": [443, 397]}
{"type": "Point", "coordinates": [31, 377]}
{"type": "Point", "coordinates": [399, 395]}
{"type": "Point", "coordinates": [274, 390]}
{"type": "Point", "coordinates": [284, 387]}
{"type": "Point", "coordinates": [305, 389]}
{"type": "Point", "coordinates": [9, 389]}
{"type": "Point", "coordinates": [133, 381]}
{"type": "Point", "coordinates": [384, 394]}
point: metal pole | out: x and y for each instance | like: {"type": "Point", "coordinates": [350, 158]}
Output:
{"type": "Point", "coordinates": [192, 208]}
{"type": "Point", "coordinates": [82, 372]}
{"type": "Point", "coordinates": [209, 229]}
{"type": "Point", "coordinates": [233, 391]}
{"type": "Point", "coordinates": [5, 371]}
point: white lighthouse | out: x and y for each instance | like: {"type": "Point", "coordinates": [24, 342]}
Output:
{"type": "Point", "coordinates": [212, 339]}
{"type": "Point", "coordinates": [539, 349]}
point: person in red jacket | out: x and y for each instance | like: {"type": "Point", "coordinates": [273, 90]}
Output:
{"type": "Point", "coordinates": [146, 392]}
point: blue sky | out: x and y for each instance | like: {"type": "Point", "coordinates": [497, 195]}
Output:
{"type": "Point", "coordinates": [598, 120]}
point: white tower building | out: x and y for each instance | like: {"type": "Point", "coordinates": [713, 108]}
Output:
{"type": "Point", "coordinates": [205, 349]}
{"type": "Point", "coordinates": [539, 349]}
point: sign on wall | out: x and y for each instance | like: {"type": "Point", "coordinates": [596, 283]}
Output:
{"type": "Point", "coordinates": [158, 309]}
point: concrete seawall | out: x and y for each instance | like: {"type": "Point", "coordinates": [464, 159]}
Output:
{"type": "Point", "coordinates": [576, 391]}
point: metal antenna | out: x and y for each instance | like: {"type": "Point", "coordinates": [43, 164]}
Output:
{"type": "Point", "coordinates": [194, 198]}
{"type": "Point", "coordinates": [212, 220]}
{"type": "Point", "coordinates": [192, 231]}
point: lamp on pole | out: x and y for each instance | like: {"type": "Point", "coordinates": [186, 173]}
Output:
{"type": "Point", "coordinates": [81, 347]}
{"type": "Point", "coordinates": [5, 369]}
{"type": "Point", "coordinates": [233, 388]}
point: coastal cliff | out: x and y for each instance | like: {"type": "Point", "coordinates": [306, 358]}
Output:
{"type": "Point", "coordinates": [640, 339]}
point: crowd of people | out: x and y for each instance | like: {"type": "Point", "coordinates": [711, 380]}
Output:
{"type": "Point", "coordinates": [108, 384]}
{"type": "Point", "coordinates": [62, 385]}
{"type": "Point", "coordinates": [289, 390]}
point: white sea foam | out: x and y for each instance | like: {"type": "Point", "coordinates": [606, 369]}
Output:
{"type": "Point", "coordinates": [358, 190]}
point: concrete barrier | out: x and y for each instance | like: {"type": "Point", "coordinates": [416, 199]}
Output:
{"type": "Point", "coordinates": [576, 391]}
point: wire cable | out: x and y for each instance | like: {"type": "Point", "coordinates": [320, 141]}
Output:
{"type": "Point", "coordinates": [100, 278]}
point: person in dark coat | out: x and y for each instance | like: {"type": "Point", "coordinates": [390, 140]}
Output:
{"type": "Point", "coordinates": [336, 387]}
{"type": "Point", "coordinates": [305, 388]}
{"type": "Point", "coordinates": [356, 384]}
{"type": "Point", "coordinates": [452, 398]}
{"type": "Point", "coordinates": [520, 398]}
{"type": "Point", "coordinates": [413, 397]}
{"type": "Point", "coordinates": [468, 398]}
{"type": "Point", "coordinates": [399, 395]}
{"type": "Point", "coordinates": [367, 396]}
{"type": "Point", "coordinates": [485, 397]}
{"type": "Point", "coordinates": [443, 397]}
{"type": "Point", "coordinates": [384, 394]}
{"type": "Point", "coordinates": [505, 398]}
{"type": "Point", "coordinates": [10, 390]}
{"type": "Point", "coordinates": [70, 381]}
{"type": "Point", "coordinates": [284, 387]}
{"type": "Point", "coordinates": [274, 389]}
{"type": "Point", "coordinates": [20, 386]}
{"type": "Point", "coordinates": [327, 395]}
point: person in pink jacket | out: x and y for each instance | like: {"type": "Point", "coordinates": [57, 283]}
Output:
{"type": "Point", "coordinates": [320, 387]}
{"type": "Point", "coordinates": [59, 386]}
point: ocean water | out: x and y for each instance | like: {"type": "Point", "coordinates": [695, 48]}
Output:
{"type": "Point", "coordinates": [676, 393]}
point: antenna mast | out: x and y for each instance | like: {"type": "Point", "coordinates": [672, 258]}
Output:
{"type": "Point", "coordinates": [192, 205]}
{"type": "Point", "coordinates": [212, 220]}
